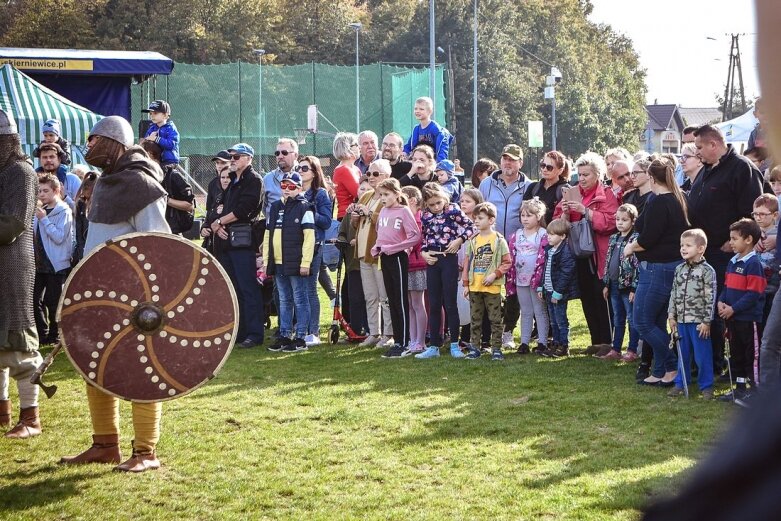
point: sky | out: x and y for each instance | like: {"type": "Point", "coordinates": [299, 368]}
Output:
{"type": "Point", "coordinates": [683, 66]}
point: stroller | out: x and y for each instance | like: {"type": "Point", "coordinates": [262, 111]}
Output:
{"type": "Point", "coordinates": [339, 321]}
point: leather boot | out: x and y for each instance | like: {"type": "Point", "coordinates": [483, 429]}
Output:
{"type": "Point", "coordinates": [140, 461]}
{"type": "Point", "coordinates": [29, 425]}
{"type": "Point", "coordinates": [104, 449]}
{"type": "Point", "coordinates": [5, 414]}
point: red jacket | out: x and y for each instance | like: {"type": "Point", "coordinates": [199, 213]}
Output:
{"type": "Point", "coordinates": [603, 206]}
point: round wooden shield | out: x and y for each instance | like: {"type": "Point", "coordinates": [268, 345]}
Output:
{"type": "Point", "coordinates": [148, 317]}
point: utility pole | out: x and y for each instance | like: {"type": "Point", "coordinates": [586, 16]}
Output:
{"type": "Point", "coordinates": [734, 69]}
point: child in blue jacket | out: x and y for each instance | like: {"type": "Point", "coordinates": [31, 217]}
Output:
{"type": "Point", "coordinates": [163, 132]}
{"type": "Point", "coordinates": [427, 131]}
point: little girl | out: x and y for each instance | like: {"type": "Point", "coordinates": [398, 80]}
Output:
{"type": "Point", "coordinates": [621, 282]}
{"type": "Point", "coordinates": [445, 229]}
{"type": "Point", "coordinates": [527, 250]}
{"type": "Point", "coordinates": [470, 198]}
{"type": "Point", "coordinates": [397, 233]}
{"type": "Point", "coordinates": [417, 281]}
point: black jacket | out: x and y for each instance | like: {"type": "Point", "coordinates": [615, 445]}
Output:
{"type": "Point", "coordinates": [242, 198]}
{"type": "Point", "coordinates": [288, 218]}
{"type": "Point", "coordinates": [723, 194]}
{"type": "Point", "coordinates": [563, 273]}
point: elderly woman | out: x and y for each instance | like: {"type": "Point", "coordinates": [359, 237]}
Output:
{"type": "Point", "coordinates": [657, 248]}
{"type": "Point", "coordinates": [346, 175]}
{"type": "Point", "coordinates": [554, 174]}
{"type": "Point", "coordinates": [598, 204]}
{"type": "Point", "coordinates": [363, 217]}
{"type": "Point", "coordinates": [690, 164]}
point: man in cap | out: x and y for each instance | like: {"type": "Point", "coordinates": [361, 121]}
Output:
{"type": "Point", "coordinates": [240, 208]}
{"type": "Point", "coordinates": [505, 189]}
{"type": "Point", "coordinates": [127, 198]}
{"type": "Point", "coordinates": [19, 355]}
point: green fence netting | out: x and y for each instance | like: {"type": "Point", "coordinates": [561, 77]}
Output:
{"type": "Point", "coordinates": [215, 106]}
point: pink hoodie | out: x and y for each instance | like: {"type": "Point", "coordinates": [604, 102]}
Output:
{"type": "Point", "coordinates": [396, 231]}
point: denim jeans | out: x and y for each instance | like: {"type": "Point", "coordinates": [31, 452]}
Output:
{"type": "Point", "coordinates": [558, 321]}
{"type": "Point", "coordinates": [650, 312]}
{"type": "Point", "coordinates": [622, 315]}
{"type": "Point", "coordinates": [293, 296]}
{"type": "Point", "coordinates": [240, 265]}
{"type": "Point", "coordinates": [313, 327]}
{"type": "Point", "coordinates": [442, 284]}
{"type": "Point", "coordinates": [691, 342]}
{"type": "Point", "coordinates": [770, 353]}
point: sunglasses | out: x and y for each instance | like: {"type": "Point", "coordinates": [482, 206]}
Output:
{"type": "Point", "coordinates": [374, 173]}
{"type": "Point", "coordinates": [546, 166]}
{"type": "Point", "coordinates": [281, 153]}
{"type": "Point", "coordinates": [302, 168]}
{"type": "Point", "coordinates": [236, 157]}
{"type": "Point", "coordinates": [288, 186]}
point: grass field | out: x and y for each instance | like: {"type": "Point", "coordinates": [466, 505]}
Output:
{"type": "Point", "coordinates": [340, 433]}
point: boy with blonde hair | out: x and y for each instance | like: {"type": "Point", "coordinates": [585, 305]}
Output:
{"type": "Point", "coordinates": [427, 131]}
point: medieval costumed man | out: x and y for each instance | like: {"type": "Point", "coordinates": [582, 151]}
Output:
{"type": "Point", "coordinates": [19, 357]}
{"type": "Point", "coordinates": [127, 198]}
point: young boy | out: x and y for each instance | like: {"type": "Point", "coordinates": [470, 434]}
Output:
{"type": "Point", "coordinates": [741, 303]}
{"type": "Point", "coordinates": [53, 230]}
{"type": "Point", "coordinates": [163, 132]}
{"type": "Point", "coordinates": [486, 262]}
{"type": "Point", "coordinates": [445, 172]}
{"type": "Point", "coordinates": [690, 312]}
{"type": "Point", "coordinates": [559, 286]}
{"type": "Point", "coordinates": [766, 215]}
{"type": "Point", "coordinates": [288, 250]}
{"type": "Point", "coordinates": [52, 134]}
{"type": "Point", "coordinates": [427, 131]}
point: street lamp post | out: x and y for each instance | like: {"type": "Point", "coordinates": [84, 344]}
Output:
{"type": "Point", "coordinates": [259, 53]}
{"type": "Point", "coordinates": [432, 60]}
{"type": "Point", "coordinates": [357, 27]}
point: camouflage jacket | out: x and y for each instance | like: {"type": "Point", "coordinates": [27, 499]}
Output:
{"type": "Point", "coordinates": [693, 296]}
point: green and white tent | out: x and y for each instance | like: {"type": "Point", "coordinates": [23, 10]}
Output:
{"type": "Point", "coordinates": [31, 104]}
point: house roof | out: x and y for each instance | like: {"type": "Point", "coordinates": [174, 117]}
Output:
{"type": "Point", "coordinates": [663, 117]}
{"type": "Point", "coordinates": [698, 116]}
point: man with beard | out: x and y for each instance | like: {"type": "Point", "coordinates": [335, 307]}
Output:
{"type": "Point", "coordinates": [392, 147]}
{"type": "Point", "coordinates": [51, 157]}
{"type": "Point", "coordinates": [19, 355]}
{"type": "Point", "coordinates": [127, 198]}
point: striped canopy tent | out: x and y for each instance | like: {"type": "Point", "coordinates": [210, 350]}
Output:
{"type": "Point", "coordinates": [31, 104]}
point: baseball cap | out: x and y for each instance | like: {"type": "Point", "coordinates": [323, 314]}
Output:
{"type": "Point", "coordinates": [293, 178]}
{"type": "Point", "coordinates": [51, 125]}
{"type": "Point", "coordinates": [158, 106]}
{"type": "Point", "coordinates": [512, 151]}
{"type": "Point", "coordinates": [222, 155]}
{"type": "Point", "coordinates": [446, 165]}
{"type": "Point", "coordinates": [242, 148]}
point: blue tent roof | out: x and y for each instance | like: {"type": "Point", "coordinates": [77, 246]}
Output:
{"type": "Point", "coordinates": [76, 61]}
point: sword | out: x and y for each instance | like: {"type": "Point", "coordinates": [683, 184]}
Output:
{"type": "Point", "coordinates": [37, 376]}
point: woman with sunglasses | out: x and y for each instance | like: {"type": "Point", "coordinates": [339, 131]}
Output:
{"type": "Point", "coordinates": [314, 191]}
{"type": "Point", "coordinates": [641, 185]}
{"type": "Point", "coordinates": [346, 175]}
{"type": "Point", "coordinates": [554, 174]}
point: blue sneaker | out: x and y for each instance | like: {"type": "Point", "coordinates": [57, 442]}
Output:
{"type": "Point", "coordinates": [473, 353]}
{"type": "Point", "coordinates": [455, 351]}
{"type": "Point", "coordinates": [496, 354]}
{"type": "Point", "coordinates": [431, 352]}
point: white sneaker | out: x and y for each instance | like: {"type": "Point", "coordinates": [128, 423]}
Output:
{"type": "Point", "coordinates": [370, 341]}
{"type": "Point", "coordinates": [385, 341]}
{"type": "Point", "coordinates": [312, 340]}
{"type": "Point", "coordinates": [507, 340]}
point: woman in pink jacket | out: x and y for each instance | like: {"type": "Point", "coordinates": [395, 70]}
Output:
{"type": "Point", "coordinates": [599, 206]}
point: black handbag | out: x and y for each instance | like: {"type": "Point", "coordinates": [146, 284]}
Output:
{"type": "Point", "coordinates": [240, 235]}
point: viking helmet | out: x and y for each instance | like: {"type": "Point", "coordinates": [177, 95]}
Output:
{"type": "Point", "coordinates": [7, 124]}
{"type": "Point", "coordinates": [116, 128]}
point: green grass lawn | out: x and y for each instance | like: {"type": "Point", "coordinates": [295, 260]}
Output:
{"type": "Point", "coordinates": [340, 433]}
